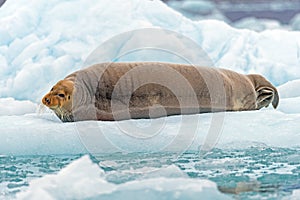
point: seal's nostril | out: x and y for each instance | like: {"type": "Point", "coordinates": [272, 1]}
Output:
{"type": "Point", "coordinates": [47, 100]}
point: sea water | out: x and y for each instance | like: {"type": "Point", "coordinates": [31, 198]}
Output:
{"type": "Point", "coordinates": [247, 173]}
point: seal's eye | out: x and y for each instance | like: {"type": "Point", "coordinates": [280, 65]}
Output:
{"type": "Point", "coordinates": [61, 95]}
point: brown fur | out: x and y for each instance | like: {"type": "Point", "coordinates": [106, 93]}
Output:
{"type": "Point", "coordinates": [117, 91]}
{"type": "Point", "coordinates": [59, 99]}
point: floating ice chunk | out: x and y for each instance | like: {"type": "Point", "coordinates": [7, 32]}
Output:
{"type": "Point", "coordinates": [170, 171]}
{"type": "Point", "coordinates": [83, 179]}
{"type": "Point", "coordinates": [295, 195]}
{"type": "Point", "coordinates": [80, 179]}
{"type": "Point", "coordinates": [45, 134]}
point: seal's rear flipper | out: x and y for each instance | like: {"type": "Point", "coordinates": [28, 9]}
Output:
{"type": "Point", "coordinates": [265, 96]}
{"type": "Point", "coordinates": [265, 91]}
{"type": "Point", "coordinates": [275, 101]}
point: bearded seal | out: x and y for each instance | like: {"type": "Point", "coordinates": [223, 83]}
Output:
{"type": "Point", "coordinates": [134, 90]}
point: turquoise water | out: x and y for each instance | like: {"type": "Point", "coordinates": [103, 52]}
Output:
{"type": "Point", "coordinates": [251, 173]}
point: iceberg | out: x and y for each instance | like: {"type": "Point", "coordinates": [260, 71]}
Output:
{"type": "Point", "coordinates": [44, 134]}
{"type": "Point", "coordinates": [42, 46]}
{"type": "Point", "coordinates": [41, 42]}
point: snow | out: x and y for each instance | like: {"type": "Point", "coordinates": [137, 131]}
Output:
{"type": "Point", "coordinates": [290, 89]}
{"type": "Point", "coordinates": [83, 179]}
{"type": "Point", "coordinates": [43, 41]}
{"type": "Point", "coordinates": [257, 25]}
{"type": "Point", "coordinates": [35, 134]}
{"type": "Point", "coordinates": [295, 195]}
{"type": "Point", "coordinates": [10, 106]}
{"type": "Point", "coordinates": [44, 134]}
{"type": "Point", "coordinates": [295, 22]}
{"type": "Point", "coordinates": [290, 105]}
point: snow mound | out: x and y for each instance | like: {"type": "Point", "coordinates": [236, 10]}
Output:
{"type": "Point", "coordinates": [290, 89]}
{"type": "Point", "coordinates": [257, 24]}
{"type": "Point", "coordinates": [33, 134]}
{"type": "Point", "coordinates": [290, 105]}
{"type": "Point", "coordinates": [10, 106]}
{"type": "Point", "coordinates": [82, 179]}
{"type": "Point", "coordinates": [290, 97]}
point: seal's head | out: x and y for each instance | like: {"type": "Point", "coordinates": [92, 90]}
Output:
{"type": "Point", "coordinates": [59, 99]}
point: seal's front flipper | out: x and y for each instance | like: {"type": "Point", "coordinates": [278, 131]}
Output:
{"type": "Point", "coordinates": [265, 96]}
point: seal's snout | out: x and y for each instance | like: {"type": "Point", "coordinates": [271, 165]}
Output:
{"type": "Point", "coordinates": [47, 100]}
